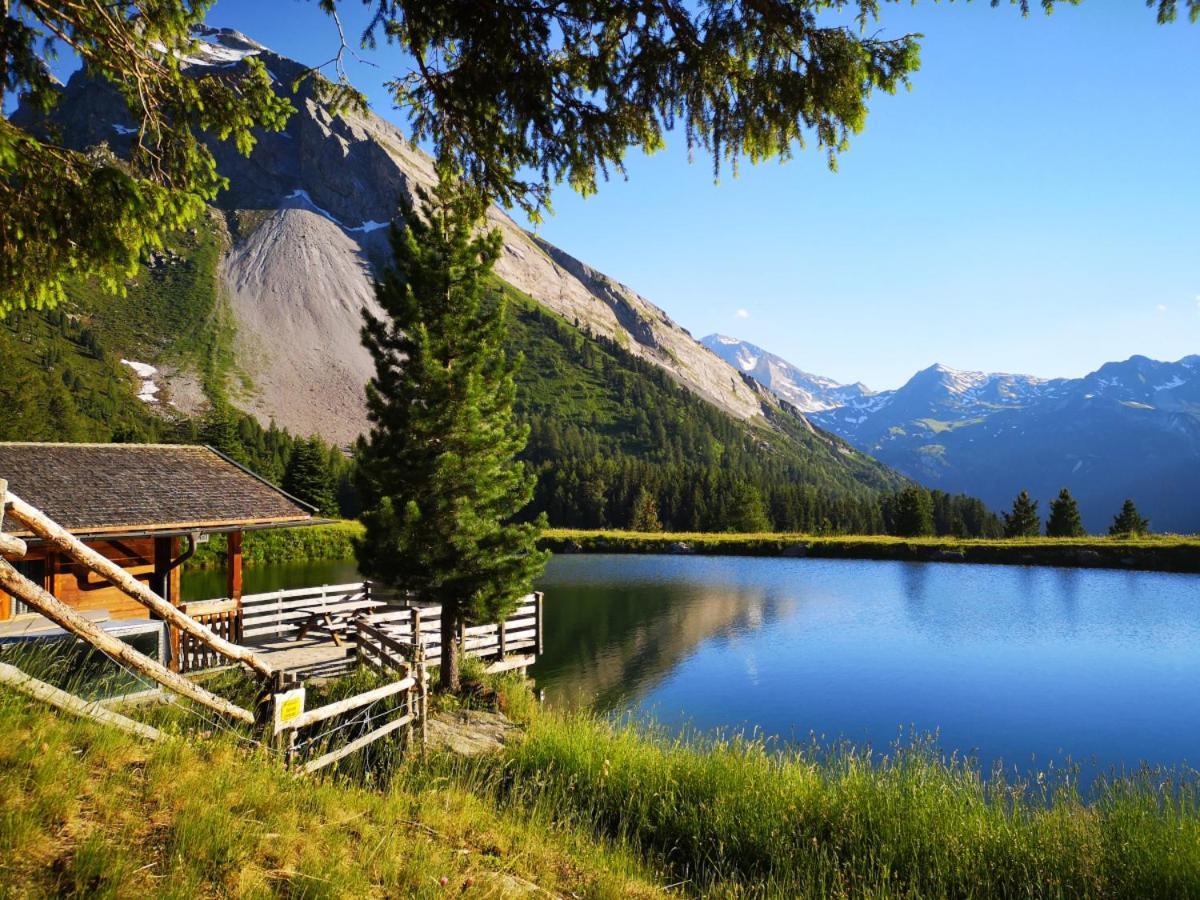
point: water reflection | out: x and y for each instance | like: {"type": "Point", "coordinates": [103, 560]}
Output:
{"type": "Point", "coordinates": [1012, 662]}
{"type": "Point", "coordinates": [606, 641]}
{"type": "Point", "coordinates": [1015, 663]}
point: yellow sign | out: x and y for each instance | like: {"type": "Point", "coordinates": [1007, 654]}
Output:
{"type": "Point", "coordinates": [289, 706]}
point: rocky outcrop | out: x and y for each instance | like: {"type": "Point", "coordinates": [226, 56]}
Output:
{"type": "Point", "coordinates": [470, 732]}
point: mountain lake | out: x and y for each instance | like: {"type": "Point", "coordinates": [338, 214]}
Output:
{"type": "Point", "coordinates": [1028, 667]}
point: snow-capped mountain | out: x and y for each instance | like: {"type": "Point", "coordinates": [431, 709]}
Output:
{"type": "Point", "coordinates": [807, 392]}
{"type": "Point", "coordinates": [1129, 429]}
{"type": "Point", "coordinates": [937, 396]}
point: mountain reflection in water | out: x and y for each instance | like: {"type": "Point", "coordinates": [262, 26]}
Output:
{"type": "Point", "coordinates": [1008, 663]}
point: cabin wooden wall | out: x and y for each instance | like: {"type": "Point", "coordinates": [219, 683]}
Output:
{"type": "Point", "coordinates": [77, 587]}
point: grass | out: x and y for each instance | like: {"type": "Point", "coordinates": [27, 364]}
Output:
{"type": "Point", "coordinates": [88, 811]}
{"type": "Point", "coordinates": [314, 542]}
{"type": "Point", "coordinates": [581, 806]}
{"type": "Point", "coordinates": [1166, 552]}
{"type": "Point", "coordinates": [1154, 551]}
{"type": "Point", "coordinates": [734, 818]}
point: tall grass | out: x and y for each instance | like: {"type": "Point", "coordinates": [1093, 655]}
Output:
{"type": "Point", "coordinates": [581, 805]}
{"type": "Point", "coordinates": [87, 811]}
{"type": "Point", "coordinates": [740, 816]}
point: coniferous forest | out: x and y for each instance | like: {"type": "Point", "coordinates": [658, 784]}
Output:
{"type": "Point", "coordinates": [608, 431]}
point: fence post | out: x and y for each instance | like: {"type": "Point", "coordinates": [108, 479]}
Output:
{"type": "Point", "coordinates": [503, 638]}
{"type": "Point", "coordinates": [415, 617]}
{"type": "Point", "coordinates": [423, 682]}
{"type": "Point", "coordinates": [537, 619]}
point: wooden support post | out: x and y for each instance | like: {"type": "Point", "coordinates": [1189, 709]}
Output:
{"type": "Point", "coordinates": [63, 540]}
{"type": "Point", "coordinates": [233, 567]}
{"type": "Point", "coordinates": [161, 586]}
{"type": "Point", "coordinates": [538, 596]}
{"type": "Point", "coordinates": [423, 702]}
{"type": "Point", "coordinates": [503, 638]}
{"type": "Point", "coordinates": [9, 545]}
{"type": "Point", "coordinates": [48, 693]}
{"type": "Point", "coordinates": [174, 594]}
{"type": "Point", "coordinates": [62, 615]}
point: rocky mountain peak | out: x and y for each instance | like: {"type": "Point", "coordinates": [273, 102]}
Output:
{"type": "Point", "coordinates": [307, 212]}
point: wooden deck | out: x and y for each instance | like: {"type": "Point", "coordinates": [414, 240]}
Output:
{"type": "Point", "coordinates": [311, 657]}
{"type": "Point", "coordinates": [275, 625]}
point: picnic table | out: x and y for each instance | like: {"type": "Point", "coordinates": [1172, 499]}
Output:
{"type": "Point", "coordinates": [334, 622]}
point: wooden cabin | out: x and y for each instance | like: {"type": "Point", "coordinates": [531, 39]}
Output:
{"type": "Point", "coordinates": [145, 506]}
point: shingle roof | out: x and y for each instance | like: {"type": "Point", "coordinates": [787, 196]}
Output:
{"type": "Point", "coordinates": [121, 488]}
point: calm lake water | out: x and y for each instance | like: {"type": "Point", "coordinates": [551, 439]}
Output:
{"type": "Point", "coordinates": [1019, 664]}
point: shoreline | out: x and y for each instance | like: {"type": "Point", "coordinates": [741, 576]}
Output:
{"type": "Point", "coordinates": [1168, 553]}
{"type": "Point", "coordinates": [1153, 553]}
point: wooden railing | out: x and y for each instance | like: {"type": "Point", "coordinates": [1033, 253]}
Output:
{"type": "Point", "coordinates": [265, 618]}
{"type": "Point", "coordinates": [350, 725]}
{"type": "Point", "coordinates": [513, 643]}
{"type": "Point", "coordinates": [281, 613]}
{"type": "Point", "coordinates": [223, 617]}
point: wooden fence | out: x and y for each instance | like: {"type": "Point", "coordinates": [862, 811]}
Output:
{"type": "Point", "coordinates": [349, 725]}
{"type": "Point", "coordinates": [513, 643]}
{"type": "Point", "coordinates": [281, 613]}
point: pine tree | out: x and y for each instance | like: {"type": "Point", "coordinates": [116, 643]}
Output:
{"type": "Point", "coordinates": [912, 512]}
{"type": "Point", "coordinates": [1023, 521]}
{"type": "Point", "coordinates": [438, 474]}
{"type": "Point", "coordinates": [1064, 520]}
{"type": "Point", "coordinates": [645, 513]}
{"type": "Point", "coordinates": [746, 512]}
{"type": "Point", "coordinates": [1129, 522]}
{"type": "Point", "coordinates": [308, 476]}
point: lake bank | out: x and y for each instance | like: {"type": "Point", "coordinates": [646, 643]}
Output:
{"type": "Point", "coordinates": [1165, 553]}
{"type": "Point", "coordinates": [1153, 553]}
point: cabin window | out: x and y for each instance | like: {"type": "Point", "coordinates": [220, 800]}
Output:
{"type": "Point", "coordinates": [35, 571]}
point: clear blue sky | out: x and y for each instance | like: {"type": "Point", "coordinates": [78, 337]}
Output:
{"type": "Point", "coordinates": [1031, 205]}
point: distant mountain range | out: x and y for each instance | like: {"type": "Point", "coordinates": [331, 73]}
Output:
{"type": "Point", "coordinates": [1129, 429]}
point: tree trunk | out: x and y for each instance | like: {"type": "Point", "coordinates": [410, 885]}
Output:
{"type": "Point", "coordinates": [448, 676]}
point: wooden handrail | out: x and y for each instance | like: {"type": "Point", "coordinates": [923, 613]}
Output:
{"type": "Point", "coordinates": [94, 710]}
{"type": "Point", "coordinates": [10, 545]}
{"type": "Point", "coordinates": [63, 540]}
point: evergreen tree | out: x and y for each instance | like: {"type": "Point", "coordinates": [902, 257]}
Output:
{"type": "Point", "coordinates": [912, 514]}
{"type": "Point", "coordinates": [645, 513]}
{"type": "Point", "coordinates": [1023, 521]}
{"type": "Point", "coordinates": [1129, 522]}
{"type": "Point", "coordinates": [308, 476]}
{"type": "Point", "coordinates": [746, 512]}
{"type": "Point", "coordinates": [528, 95]}
{"type": "Point", "coordinates": [1064, 520]}
{"type": "Point", "coordinates": [220, 431]}
{"type": "Point", "coordinates": [438, 474]}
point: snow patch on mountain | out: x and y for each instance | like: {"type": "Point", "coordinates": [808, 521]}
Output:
{"type": "Point", "coordinates": [148, 392]}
